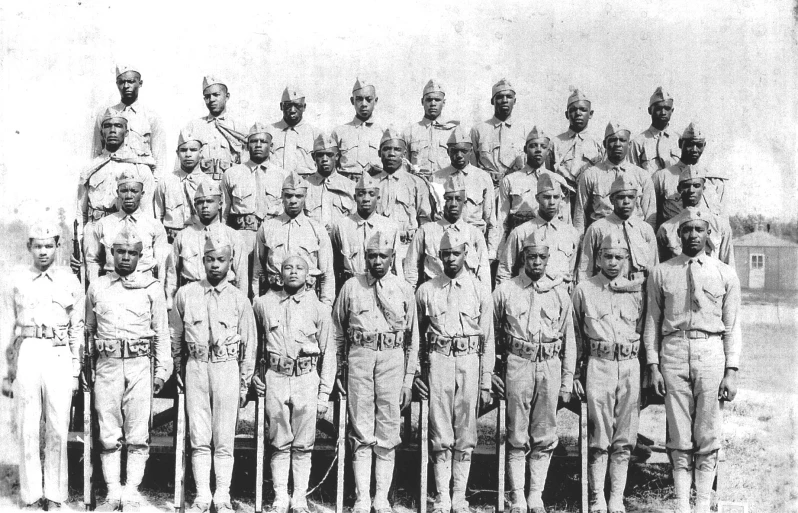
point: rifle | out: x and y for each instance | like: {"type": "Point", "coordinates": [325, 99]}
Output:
{"type": "Point", "coordinates": [423, 431]}
{"type": "Point", "coordinates": [260, 419]}
{"type": "Point", "coordinates": [501, 425]}
{"type": "Point", "coordinates": [180, 442]}
{"type": "Point", "coordinates": [88, 466]}
{"type": "Point", "coordinates": [341, 449]}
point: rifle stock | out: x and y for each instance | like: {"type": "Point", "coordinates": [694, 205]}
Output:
{"type": "Point", "coordinates": [88, 436]}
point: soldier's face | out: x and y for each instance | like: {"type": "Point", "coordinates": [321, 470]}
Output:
{"type": "Point", "coordinates": [391, 154]}
{"type": "Point", "coordinates": [617, 146]}
{"type": "Point", "coordinates": [503, 103]}
{"type": "Point", "coordinates": [433, 105]}
{"type": "Point", "coordinates": [379, 262]}
{"type": "Point", "coordinates": [43, 252]}
{"type": "Point", "coordinates": [364, 100]}
{"type": "Point", "coordinates": [259, 146]}
{"type": "Point", "coordinates": [453, 205]}
{"type": "Point", "coordinates": [114, 131]}
{"type": "Point", "coordinates": [216, 97]}
{"type": "Point", "coordinates": [611, 262]}
{"type": "Point", "coordinates": [459, 155]}
{"type": "Point", "coordinates": [293, 111]}
{"type": "Point", "coordinates": [694, 237]}
{"type": "Point", "coordinates": [453, 259]}
{"type": "Point", "coordinates": [549, 204]}
{"type": "Point", "coordinates": [217, 263]}
{"type": "Point", "coordinates": [126, 258]}
{"type": "Point", "coordinates": [326, 160]}
{"type": "Point", "coordinates": [623, 203]}
{"type": "Point", "coordinates": [535, 260]}
{"type": "Point", "coordinates": [366, 201]}
{"type": "Point", "coordinates": [578, 115]}
{"type": "Point", "coordinates": [692, 191]}
{"type": "Point", "coordinates": [189, 155]}
{"type": "Point", "coordinates": [130, 196]}
{"type": "Point", "coordinates": [295, 273]}
{"type": "Point", "coordinates": [128, 84]}
{"type": "Point", "coordinates": [661, 112]}
{"type": "Point", "coordinates": [536, 152]}
{"type": "Point", "coordinates": [692, 149]}
{"type": "Point", "coordinates": [294, 201]}
{"type": "Point", "coordinates": [208, 208]}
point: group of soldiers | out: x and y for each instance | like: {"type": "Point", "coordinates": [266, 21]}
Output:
{"type": "Point", "coordinates": [379, 264]}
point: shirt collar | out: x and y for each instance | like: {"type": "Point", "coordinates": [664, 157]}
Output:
{"type": "Point", "coordinates": [361, 221]}
{"type": "Point", "coordinates": [39, 274]}
{"type": "Point", "coordinates": [555, 223]}
{"type": "Point", "coordinates": [528, 170]}
{"type": "Point", "coordinates": [300, 219]}
{"type": "Point", "coordinates": [134, 216]}
{"type": "Point", "coordinates": [356, 121]}
{"type": "Point", "coordinates": [603, 280]}
{"type": "Point", "coordinates": [371, 280]}
{"type": "Point", "coordinates": [571, 134]}
{"type": "Point", "coordinates": [457, 280]}
{"type": "Point", "coordinates": [285, 296]}
{"type": "Point", "coordinates": [218, 288]}
{"type": "Point", "coordinates": [135, 107]}
{"type": "Point", "coordinates": [656, 131]}
{"type": "Point", "coordinates": [496, 121]}
{"type": "Point", "coordinates": [221, 117]}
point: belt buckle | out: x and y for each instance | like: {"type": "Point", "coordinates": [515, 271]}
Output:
{"type": "Point", "coordinates": [624, 350]}
{"type": "Point", "coordinates": [286, 365]}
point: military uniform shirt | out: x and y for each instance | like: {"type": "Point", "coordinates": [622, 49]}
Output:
{"type": "Point", "coordinates": [640, 241]}
{"type": "Point", "coordinates": [329, 199]}
{"type": "Point", "coordinates": [359, 144]}
{"type": "Point", "coordinates": [518, 197]}
{"type": "Point", "coordinates": [292, 147]}
{"type": "Point", "coordinates": [605, 314]}
{"type": "Point", "coordinates": [572, 153]}
{"type": "Point", "coordinates": [252, 188]}
{"type": "Point", "coordinates": [563, 241]}
{"type": "Point", "coordinates": [350, 235]}
{"type": "Point", "coordinates": [426, 143]}
{"type": "Point", "coordinates": [174, 197]}
{"type": "Point", "coordinates": [217, 145]}
{"type": "Point", "coordinates": [655, 149]}
{"type": "Point", "coordinates": [498, 145]}
{"type": "Point", "coordinates": [719, 240]}
{"type": "Point", "coordinates": [404, 198]}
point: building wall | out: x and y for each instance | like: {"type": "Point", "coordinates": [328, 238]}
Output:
{"type": "Point", "coordinates": [781, 266]}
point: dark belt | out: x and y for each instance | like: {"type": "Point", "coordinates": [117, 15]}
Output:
{"type": "Point", "coordinates": [693, 334]}
{"type": "Point", "coordinates": [243, 222]}
{"type": "Point", "coordinates": [454, 346]}
{"type": "Point", "coordinates": [519, 218]}
{"type": "Point", "coordinates": [614, 351]}
{"type": "Point", "coordinates": [292, 366]}
{"type": "Point", "coordinates": [539, 351]}
{"type": "Point", "coordinates": [171, 233]}
{"type": "Point", "coordinates": [58, 334]}
{"type": "Point", "coordinates": [214, 354]}
{"type": "Point", "coordinates": [377, 341]}
{"type": "Point", "coordinates": [123, 348]}
{"type": "Point", "coordinates": [95, 214]}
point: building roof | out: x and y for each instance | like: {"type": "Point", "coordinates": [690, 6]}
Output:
{"type": "Point", "coordinates": [762, 239]}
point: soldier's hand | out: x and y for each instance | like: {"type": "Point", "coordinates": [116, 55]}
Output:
{"type": "Point", "coordinates": [421, 387]}
{"type": "Point", "coordinates": [242, 399]}
{"type": "Point", "coordinates": [321, 410]}
{"type": "Point", "coordinates": [498, 385]}
{"type": "Point", "coordinates": [339, 386]}
{"type": "Point", "coordinates": [74, 264]}
{"type": "Point", "coordinates": [407, 396]}
{"type": "Point", "coordinates": [157, 386]}
{"type": "Point", "coordinates": [75, 384]}
{"type": "Point", "coordinates": [657, 381]}
{"type": "Point", "coordinates": [579, 390]}
{"type": "Point", "coordinates": [86, 381]}
{"type": "Point", "coordinates": [486, 396]}
{"type": "Point", "coordinates": [728, 386]}
{"type": "Point", "coordinates": [260, 386]}
{"type": "Point", "coordinates": [565, 397]}
{"type": "Point", "coordinates": [8, 391]}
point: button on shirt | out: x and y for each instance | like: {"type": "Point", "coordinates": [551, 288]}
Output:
{"type": "Point", "coordinates": [655, 149]}
{"type": "Point", "coordinates": [216, 144]}
{"type": "Point", "coordinates": [518, 196]}
{"type": "Point", "coordinates": [288, 322]}
{"type": "Point", "coordinates": [404, 198]}
{"type": "Point", "coordinates": [252, 188]}
{"type": "Point", "coordinates": [209, 316]}
{"type": "Point", "coordinates": [359, 144]}
{"type": "Point", "coordinates": [572, 153]}
{"type": "Point", "coordinates": [593, 193]}
{"type": "Point", "coordinates": [329, 199]}
{"type": "Point", "coordinates": [361, 306]}
{"type": "Point", "coordinates": [563, 241]}
{"type": "Point", "coordinates": [130, 308]}
{"type": "Point", "coordinates": [712, 307]}
{"type": "Point", "coordinates": [426, 143]}
{"type": "Point", "coordinates": [292, 147]}
{"type": "Point", "coordinates": [498, 145]}
{"type": "Point", "coordinates": [640, 241]}
{"type": "Point", "coordinates": [606, 314]}
{"type": "Point", "coordinates": [459, 307]}
{"type": "Point", "coordinates": [349, 238]}
{"type": "Point", "coordinates": [533, 312]}
{"type": "Point", "coordinates": [51, 298]}
{"type": "Point", "coordinates": [174, 197]}
{"type": "Point", "coordinates": [281, 237]}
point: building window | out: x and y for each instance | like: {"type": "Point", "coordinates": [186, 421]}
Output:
{"type": "Point", "coordinates": [757, 261]}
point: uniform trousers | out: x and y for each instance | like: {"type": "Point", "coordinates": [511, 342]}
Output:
{"type": "Point", "coordinates": [122, 400]}
{"type": "Point", "coordinates": [613, 405]}
{"type": "Point", "coordinates": [454, 392]}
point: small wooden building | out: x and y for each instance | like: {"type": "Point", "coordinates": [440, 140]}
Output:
{"type": "Point", "coordinates": [765, 261]}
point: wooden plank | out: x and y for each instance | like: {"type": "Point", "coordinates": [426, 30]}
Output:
{"type": "Point", "coordinates": [423, 430]}
{"type": "Point", "coordinates": [180, 453]}
{"type": "Point", "coordinates": [501, 434]}
{"type": "Point", "coordinates": [260, 421]}
{"type": "Point", "coordinates": [341, 467]}
{"type": "Point", "coordinates": [583, 457]}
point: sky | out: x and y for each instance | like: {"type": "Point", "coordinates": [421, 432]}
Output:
{"type": "Point", "coordinates": [730, 65]}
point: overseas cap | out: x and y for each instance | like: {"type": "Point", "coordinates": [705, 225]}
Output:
{"type": "Point", "coordinates": [324, 142]}
{"type": "Point", "coordinates": [128, 237]}
{"type": "Point", "coordinates": [367, 181]}
{"type": "Point", "coordinates": [454, 183]}
{"type": "Point", "coordinates": [217, 241]}
{"type": "Point", "coordinates": [124, 68]}
{"type": "Point", "coordinates": [613, 127]}
{"type": "Point", "coordinates": [577, 95]}
{"type": "Point", "coordinates": [433, 86]}
{"type": "Point", "coordinates": [111, 114]}
{"type": "Point", "coordinates": [130, 175]}
{"type": "Point", "coordinates": [361, 83]}
{"type": "Point", "coordinates": [392, 133]}
{"type": "Point", "coordinates": [294, 181]}
{"type": "Point", "coordinates": [659, 95]}
{"type": "Point", "coordinates": [690, 173]}
{"type": "Point", "coordinates": [260, 128]}
{"type": "Point", "coordinates": [292, 94]}
{"type": "Point", "coordinates": [209, 80]}
{"type": "Point", "coordinates": [379, 241]}
{"type": "Point", "coordinates": [186, 135]}
{"type": "Point", "coordinates": [692, 214]}
{"type": "Point", "coordinates": [207, 188]}
{"type": "Point", "coordinates": [622, 183]}
{"type": "Point", "coordinates": [501, 85]}
{"type": "Point", "coordinates": [693, 132]}
{"type": "Point", "coordinates": [536, 133]}
{"type": "Point", "coordinates": [43, 229]}
{"type": "Point", "coordinates": [459, 136]}
{"type": "Point", "coordinates": [452, 239]}
{"type": "Point", "coordinates": [535, 240]}
{"type": "Point", "coordinates": [613, 241]}
{"type": "Point", "coordinates": [551, 182]}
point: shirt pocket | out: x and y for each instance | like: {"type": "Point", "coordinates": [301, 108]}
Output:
{"type": "Point", "coordinates": [345, 204]}
{"type": "Point", "coordinates": [714, 293]}
{"type": "Point", "coordinates": [361, 305]}
{"type": "Point", "coordinates": [419, 149]}
{"type": "Point", "coordinates": [590, 154]}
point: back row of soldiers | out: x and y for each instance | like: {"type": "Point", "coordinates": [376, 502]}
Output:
{"type": "Point", "coordinates": [283, 235]}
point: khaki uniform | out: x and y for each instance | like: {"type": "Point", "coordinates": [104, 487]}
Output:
{"type": "Point", "coordinates": [376, 333]}
{"type": "Point", "coordinates": [666, 190]}
{"type": "Point", "coordinates": [213, 341]}
{"type": "Point", "coordinates": [518, 200]}
{"type": "Point", "coordinates": [535, 334]}
{"type": "Point", "coordinates": [499, 146]}
{"type": "Point", "coordinates": [174, 200]}
{"type": "Point", "coordinates": [563, 242]}
{"type": "Point", "coordinates": [640, 241]}
{"type": "Point", "coordinates": [655, 149]}
{"type": "Point", "coordinates": [572, 153]}
{"type": "Point", "coordinates": [223, 143]}
{"type": "Point", "coordinates": [593, 193]}
{"type": "Point", "coordinates": [715, 192]}
{"type": "Point", "coordinates": [329, 199]}
{"type": "Point", "coordinates": [426, 143]}
{"type": "Point", "coordinates": [456, 318]}
{"type": "Point", "coordinates": [292, 147]}
{"type": "Point", "coordinates": [719, 242]}
{"type": "Point", "coordinates": [127, 322]}
{"type": "Point", "coordinates": [609, 317]}
{"type": "Point", "coordinates": [349, 238]}
{"type": "Point", "coordinates": [282, 236]}
{"type": "Point", "coordinates": [47, 311]}
{"type": "Point", "coordinates": [297, 380]}
{"type": "Point", "coordinates": [359, 143]}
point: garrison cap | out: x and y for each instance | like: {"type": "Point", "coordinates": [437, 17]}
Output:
{"type": "Point", "coordinates": [207, 188]}
{"type": "Point", "coordinates": [260, 128]}
{"type": "Point", "coordinates": [186, 135]}
{"type": "Point", "coordinates": [111, 114]}
{"type": "Point", "coordinates": [577, 95]}
{"type": "Point", "coordinates": [433, 86]}
{"type": "Point", "coordinates": [361, 83]}
{"type": "Point", "coordinates": [124, 68]}
{"type": "Point", "coordinates": [292, 94]}
{"type": "Point", "coordinates": [693, 132]}
{"type": "Point", "coordinates": [536, 133]}
{"type": "Point", "coordinates": [130, 175]}
{"type": "Point", "coordinates": [294, 181]}
{"type": "Point", "coordinates": [217, 241]}
{"type": "Point", "coordinates": [660, 95]}
{"type": "Point", "coordinates": [459, 136]}
{"type": "Point", "coordinates": [501, 85]}
{"type": "Point", "coordinates": [613, 241]}
{"type": "Point", "coordinates": [535, 240]}
{"type": "Point", "coordinates": [367, 181]}
{"type": "Point", "coordinates": [623, 183]}
{"type": "Point", "coordinates": [392, 133]}
{"type": "Point", "coordinates": [324, 142]}
{"type": "Point", "coordinates": [692, 214]}
{"type": "Point", "coordinates": [127, 236]}
{"type": "Point", "coordinates": [453, 238]}
{"type": "Point", "coordinates": [549, 181]}
{"type": "Point", "coordinates": [454, 183]}
{"type": "Point", "coordinates": [690, 173]}
{"type": "Point", "coordinates": [613, 127]}
{"type": "Point", "coordinates": [379, 241]}
{"type": "Point", "coordinates": [209, 80]}
{"type": "Point", "coordinates": [43, 229]}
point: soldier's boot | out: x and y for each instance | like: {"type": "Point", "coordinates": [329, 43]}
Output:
{"type": "Point", "coordinates": [619, 466]}
{"type": "Point", "coordinates": [223, 468]}
{"type": "Point", "coordinates": [443, 476]}
{"type": "Point", "coordinates": [705, 468]}
{"type": "Point", "coordinates": [136, 462]}
{"type": "Point", "coordinates": [112, 467]}
{"type": "Point", "coordinates": [516, 479]}
{"type": "Point", "coordinates": [280, 466]}
{"type": "Point", "coordinates": [300, 470]}
{"type": "Point", "coordinates": [461, 467]}
{"type": "Point", "coordinates": [361, 465]}
{"type": "Point", "coordinates": [681, 462]}
{"type": "Point", "coordinates": [201, 468]}
{"type": "Point", "coordinates": [538, 470]}
{"type": "Point", "coordinates": [596, 475]}
{"type": "Point", "coordinates": [383, 474]}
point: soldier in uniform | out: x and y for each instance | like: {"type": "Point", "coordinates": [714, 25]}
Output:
{"type": "Point", "coordinates": [174, 195]}
{"type": "Point", "coordinates": [608, 311]}
{"type": "Point", "coordinates": [641, 244]}
{"type": "Point", "coordinates": [350, 234]}
{"type": "Point", "coordinates": [127, 324]}
{"type": "Point", "coordinates": [455, 315]}
{"type": "Point", "coordinates": [293, 233]}
{"type": "Point", "coordinates": [359, 140]}
{"type": "Point", "coordinates": [376, 334]}
{"type": "Point", "coordinates": [223, 145]}
{"type": "Point", "coordinates": [426, 139]}
{"type": "Point", "coordinates": [499, 142]}
{"type": "Point", "coordinates": [293, 137]}
{"type": "Point", "coordinates": [534, 326]}
{"type": "Point", "coordinates": [99, 241]}
{"type": "Point", "coordinates": [658, 146]}
{"type": "Point", "coordinates": [479, 209]}
{"type": "Point", "coordinates": [298, 350]}
{"type": "Point", "coordinates": [43, 333]}
{"type": "Point", "coordinates": [423, 261]}
{"type": "Point", "coordinates": [562, 237]}
{"type": "Point", "coordinates": [331, 196]}
{"type": "Point", "coordinates": [185, 263]}
{"type": "Point", "coordinates": [693, 346]}
{"type": "Point", "coordinates": [144, 125]}
{"type": "Point", "coordinates": [592, 194]}
{"type": "Point", "coordinates": [719, 237]}
{"type": "Point", "coordinates": [213, 347]}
